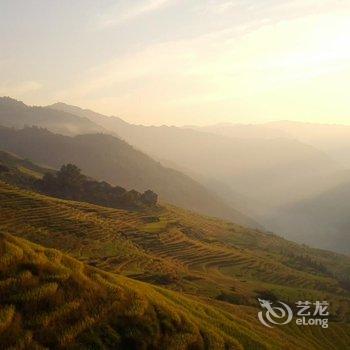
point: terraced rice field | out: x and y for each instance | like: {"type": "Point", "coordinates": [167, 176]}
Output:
{"type": "Point", "coordinates": [50, 300]}
{"type": "Point", "coordinates": [173, 247]}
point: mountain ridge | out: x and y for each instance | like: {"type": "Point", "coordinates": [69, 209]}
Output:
{"type": "Point", "coordinates": [105, 157]}
{"type": "Point", "coordinates": [321, 219]}
{"type": "Point", "coordinates": [249, 167]}
{"type": "Point", "coordinates": [15, 113]}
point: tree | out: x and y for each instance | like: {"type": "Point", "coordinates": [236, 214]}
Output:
{"type": "Point", "coordinates": [67, 182]}
{"type": "Point", "coordinates": [4, 169]}
{"type": "Point", "coordinates": [70, 183]}
{"type": "Point", "coordinates": [149, 198]}
{"type": "Point", "coordinates": [70, 175]}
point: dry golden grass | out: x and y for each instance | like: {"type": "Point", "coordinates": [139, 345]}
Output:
{"type": "Point", "coordinates": [63, 300]}
{"type": "Point", "coordinates": [93, 309]}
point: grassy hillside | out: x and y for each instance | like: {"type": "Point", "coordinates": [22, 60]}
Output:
{"type": "Point", "coordinates": [20, 172]}
{"type": "Point", "coordinates": [108, 158]}
{"type": "Point", "coordinates": [50, 300]}
{"type": "Point", "coordinates": [70, 183]}
{"type": "Point", "coordinates": [25, 166]}
{"type": "Point", "coordinates": [181, 250]}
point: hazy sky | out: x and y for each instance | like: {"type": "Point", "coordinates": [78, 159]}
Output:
{"type": "Point", "coordinates": [181, 61]}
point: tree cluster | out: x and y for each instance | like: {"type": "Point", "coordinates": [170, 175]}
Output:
{"type": "Point", "coordinates": [70, 183]}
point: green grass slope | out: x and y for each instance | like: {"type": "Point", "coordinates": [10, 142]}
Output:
{"type": "Point", "coordinates": [50, 300]}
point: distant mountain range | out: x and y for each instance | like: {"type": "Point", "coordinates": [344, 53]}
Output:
{"type": "Point", "coordinates": [16, 114]}
{"type": "Point", "coordinates": [321, 215]}
{"type": "Point", "coordinates": [113, 159]}
{"type": "Point", "coordinates": [244, 173]}
{"type": "Point", "coordinates": [89, 264]}
{"type": "Point", "coordinates": [258, 169]}
{"type": "Point", "coordinates": [265, 171]}
{"type": "Point", "coordinates": [322, 220]}
{"type": "Point", "coordinates": [333, 139]}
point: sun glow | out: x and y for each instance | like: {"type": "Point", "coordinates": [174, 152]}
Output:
{"type": "Point", "coordinates": [220, 61]}
{"type": "Point", "coordinates": [286, 69]}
